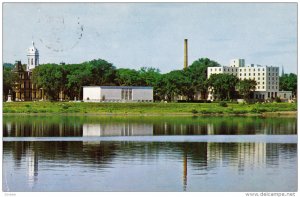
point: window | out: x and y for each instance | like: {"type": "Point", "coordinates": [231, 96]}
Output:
{"type": "Point", "coordinates": [126, 94]}
{"type": "Point", "coordinates": [263, 87]}
{"type": "Point", "coordinates": [240, 74]}
{"type": "Point", "coordinates": [249, 74]}
{"type": "Point", "coordinates": [31, 61]}
{"type": "Point", "coordinates": [258, 87]}
{"type": "Point", "coordinates": [245, 74]}
{"type": "Point", "coordinates": [253, 74]}
{"type": "Point", "coordinates": [263, 74]}
{"type": "Point", "coordinates": [263, 82]}
{"type": "Point", "coordinates": [258, 69]}
{"type": "Point", "coordinates": [263, 78]}
{"type": "Point", "coordinates": [258, 74]}
{"type": "Point", "coordinates": [269, 74]}
{"type": "Point", "coordinates": [219, 69]}
{"type": "Point", "coordinates": [258, 78]}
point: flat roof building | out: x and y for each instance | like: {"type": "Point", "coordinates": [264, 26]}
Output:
{"type": "Point", "coordinates": [117, 94]}
{"type": "Point", "coordinates": [266, 77]}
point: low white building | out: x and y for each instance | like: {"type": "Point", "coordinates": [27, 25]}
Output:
{"type": "Point", "coordinates": [117, 94]}
{"type": "Point", "coordinates": [285, 95]}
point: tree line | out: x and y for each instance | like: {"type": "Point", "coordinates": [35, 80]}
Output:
{"type": "Point", "coordinates": [69, 78]}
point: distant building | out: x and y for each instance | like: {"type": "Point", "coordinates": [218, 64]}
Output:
{"type": "Point", "coordinates": [266, 77]}
{"type": "Point", "coordinates": [25, 89]}
{"type": "Point", "coordinates": [117, 94]}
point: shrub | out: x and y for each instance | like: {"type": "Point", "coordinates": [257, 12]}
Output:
{"type": "Point", "coordinates": [65, 107]}
{"type": "Point", "coordinates": [223, 104]}
{"type": "Point", "coordinates": [277, 100]}
{"type": "Point", "coordinates": [194, 111]}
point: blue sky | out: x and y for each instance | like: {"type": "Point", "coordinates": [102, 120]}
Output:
{"type": "Point", "coordinates": [134, 35]}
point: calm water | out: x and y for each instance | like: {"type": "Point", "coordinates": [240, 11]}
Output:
{"type": "Point", "coordinates": [65, 153]}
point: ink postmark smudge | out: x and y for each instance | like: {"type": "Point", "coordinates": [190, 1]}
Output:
{"type": "Point", "coordinates": [59, 33]}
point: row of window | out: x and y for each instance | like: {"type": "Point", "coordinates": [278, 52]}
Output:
{"type": "Point", "coordinates": [270, 95]}
{"type": "Point", "coordinates": [263, 87]}
{"type": "Point", "coordinates": [243, 69]}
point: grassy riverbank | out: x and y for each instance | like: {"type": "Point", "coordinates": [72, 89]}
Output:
{"type": "Point", "coordinates": [145, 108]}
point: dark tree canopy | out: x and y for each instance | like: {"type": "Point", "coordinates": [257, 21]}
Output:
{"type": "Point", "coordinates": [288, 82]}
{"type": "Point", "coordinates": [223, 86]}
{"type": "Point", "coordinates": [245, 87]}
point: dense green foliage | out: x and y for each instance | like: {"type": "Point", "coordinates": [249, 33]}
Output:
{"type": "Point", "coordinates": [9, 79]}
{"type": "Point", "coordinates": [177, 84]}
{"type": "Point", "coordinates": [288, 82]}
{"type": "Point", "coordinates": [245, 87]}
{"type": "Point", "coordinates": [70, 78]}
{"type": "Point", "coordinates": [223, 86]}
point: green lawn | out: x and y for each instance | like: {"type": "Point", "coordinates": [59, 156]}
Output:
{"type": "Point", "coordinates": [144, 108]}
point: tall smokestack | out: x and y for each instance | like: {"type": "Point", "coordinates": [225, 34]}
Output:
{"type": "Point", "coordinates": [185, 53]}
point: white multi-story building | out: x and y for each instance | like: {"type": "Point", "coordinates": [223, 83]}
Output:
{"type": "Point", "coordinates": [266, 77]}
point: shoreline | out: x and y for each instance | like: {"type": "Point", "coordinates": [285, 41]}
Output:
{"type": "Point", "coordinates": [264, 114]}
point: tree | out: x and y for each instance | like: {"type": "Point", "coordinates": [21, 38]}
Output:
{"type": "Point", "coordinates": [50, 78]}
{"type": "Point", "coordinates": [9, 79]}
{"type": "Point", "coordinates": [197, 72]}
{"type": "Point", "coordinates": [245, 87]}
{"type": "Point", "coordinates": [223, 85]}
{"type": "Point", "coordinates": [102, 72]}
{"type": "Point", "coordinates": [127, 77]}
{"type": "Point", "coordinates": [77, 75]}
{"type": "Point", "coordinates": [288, 82]}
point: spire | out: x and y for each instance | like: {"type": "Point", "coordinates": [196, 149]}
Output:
{"type": "Point", "coordinates": [282, 71]}
{"type": "Point", "coordinates": [32, 43]}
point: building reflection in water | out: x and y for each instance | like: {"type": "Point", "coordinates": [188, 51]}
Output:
{"type": "Point", "coordinates": [70, 126]}
{"type": "Point", "coordinates": [117, 129]}
{"type": "Point", "coordinates": [33, 167]}
{"type": "Point", "coordinates": [198, 158]}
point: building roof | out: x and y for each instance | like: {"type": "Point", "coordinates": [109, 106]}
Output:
{"type": "Point", "coordinates": [119, 87]}
{"type": "Point", "coordinates": [32, 50]}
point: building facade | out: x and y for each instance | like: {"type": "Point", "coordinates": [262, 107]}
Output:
{"type": "Point", "coordinates": [25, 89]}
{"type": "Point", "coordinates": [117, 94]}
{"type": "Point", "coordinates": [266, 77]}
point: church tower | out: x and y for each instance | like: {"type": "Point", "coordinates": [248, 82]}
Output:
{"type": "Point", "coordinates": [33, 57]}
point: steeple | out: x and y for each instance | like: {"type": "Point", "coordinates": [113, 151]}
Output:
{"type": "Point", "coordinates": [33, 57]}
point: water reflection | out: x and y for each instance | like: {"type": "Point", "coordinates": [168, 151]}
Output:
{"type": "Point", "coordinates": [117, 129]}
{"type": "Point", "coordinates": [77, 126]}
{"type": "Point", "coordinates": [186, 166]}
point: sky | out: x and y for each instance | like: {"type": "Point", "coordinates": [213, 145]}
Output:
{"type": "Point", "coordinates": [135, 35]}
